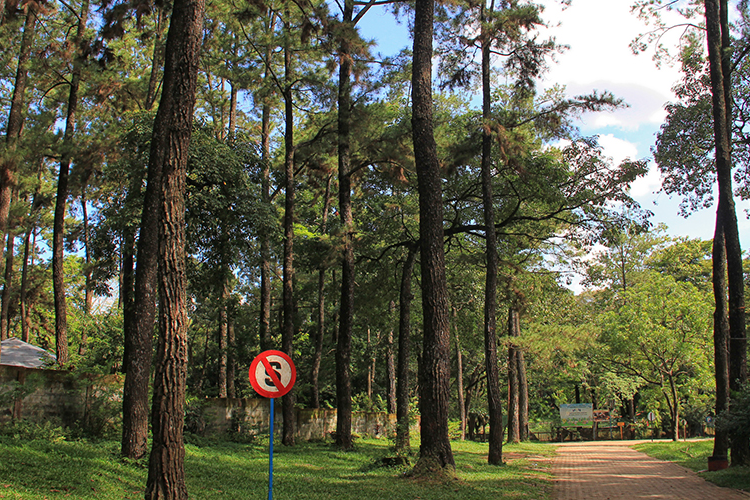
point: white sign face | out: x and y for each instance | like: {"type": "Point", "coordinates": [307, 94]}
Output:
{"type": "Point", "coordinates": [272, 374]}
{"type": "Point", "coordinates": [577, 415]}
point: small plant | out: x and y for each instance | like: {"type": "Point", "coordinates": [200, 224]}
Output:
{"type": "Point", "coordinates": [195, 422]}
{"type": "Point", "coordinates": [24, 430]}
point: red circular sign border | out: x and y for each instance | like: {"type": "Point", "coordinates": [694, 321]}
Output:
{"type": "Point", "coordinates": [259, 359]}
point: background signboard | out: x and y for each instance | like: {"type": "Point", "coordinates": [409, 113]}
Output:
{"type": "Point", "coordinates": [577, 415]}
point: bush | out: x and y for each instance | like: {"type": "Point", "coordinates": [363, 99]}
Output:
{"type": "Point", "coordinates": [736, 421]}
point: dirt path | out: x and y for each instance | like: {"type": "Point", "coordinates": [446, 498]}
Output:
{"type": "Point", "coordinates": [612, 470]}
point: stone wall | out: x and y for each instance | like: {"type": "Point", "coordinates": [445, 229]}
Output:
{"type": "Point", "coordinates": [252, 416]}
{"type": "Point", "coordinates": [94, 402]}
{"type": "Point", "coordinates": [61, 397]}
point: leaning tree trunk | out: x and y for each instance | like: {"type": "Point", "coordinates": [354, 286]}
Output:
{"type": "Point", "coordinates": [434, 370]}
{"type": "Point", "coordinates": [404, 352]}
{"type": "Point", "coordinates": [169, 148]}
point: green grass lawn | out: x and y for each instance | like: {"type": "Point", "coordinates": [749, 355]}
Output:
{"type": "Point", "coordinates": [42, 469]}
{"type": "Point", "coordinates": [694, 454]}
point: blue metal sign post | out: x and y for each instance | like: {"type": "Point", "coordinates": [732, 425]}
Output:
{"type": "Point", "coordinates": [272, 375]}
{"type": "Point", "coordinates": [270, 456]}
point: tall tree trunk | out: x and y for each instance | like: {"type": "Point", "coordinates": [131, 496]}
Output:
{"type": "Point", "coordinates": [721, 338]}
{"type": "Point", "coordinates": [404, 353]}
{"type": "Point", "coordinates": [170, 142]}
{"type": "Point", "coordinates": [719, 53]}
{"type": "Point", "coordinates": [494, 399]}
{"type": "Point", "coordinates": [8, 286]}
{"type": "Point", "coordinates": [25, 284]}
{"type": "Point", "coordinates": [287, 334]}
{"type": "Point", "coordinates": [58, 251]}
{"type": "Point", "coordinates": [320, 329]}
{"type": "Point", "coordinates": [89, 295]}
{"type": "Point", "coordinates": [460, 382]}
{"type": "Point", "coordinates": [137, 343]}
{"type": "Point", "coordinates": [514, 427]}
{"type": "Point", "coordinates": [264, 328]}
{"type": "Point", "coordinates": [16, 116]}
{"type": "Point", "coordinates": [157, 60]}
{"type": "Point", "coordinates": [434, 369]}
{"type": "Point", "coordinates": [139, 295]}
{"type": "Point", "coordinates": [523, 397]}
{"type": "Point", "coordinates": [232, 369]}
{"type": "Point", "coordinates": [346, 305]}
{"type": "Point", "coordinates": [223, 337]}
{"type": "Point", "coordinates": [390, 361]}
{"type": "Point", "coordinates": [232, 110]}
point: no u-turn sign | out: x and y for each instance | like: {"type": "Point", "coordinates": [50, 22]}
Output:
{"type": "Point", "coordinates": [272, 374]}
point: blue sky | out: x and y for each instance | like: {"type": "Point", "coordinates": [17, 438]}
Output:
{"type": "Point", "coordinates": [599, 58]}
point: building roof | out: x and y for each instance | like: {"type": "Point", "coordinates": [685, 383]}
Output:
{"type": "Point", "coordinates": [16, 352]}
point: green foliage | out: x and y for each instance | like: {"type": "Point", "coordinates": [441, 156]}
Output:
{"type": "Point", "coordinates": [28, 431]}
{"type": "Point", "coordinates": [736, 420]}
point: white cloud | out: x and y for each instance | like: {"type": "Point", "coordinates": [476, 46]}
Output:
{"type": "Point", "coordinates": [647, 185]}
{"type": "Point", "coordinates": [599, 58]}
{"type": "Point", "coordinates": [617, 149]}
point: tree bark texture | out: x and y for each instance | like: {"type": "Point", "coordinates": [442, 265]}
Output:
{"type": "Point", "coordinates": [288, 330]}
{"type": "Point", "coordinates": [346, 305]}
{"type": "Point", "coordinates": [460, 383]}
{"type": "Point", "coordinates": [170, 142]}
{"type": "Point", "coordinates": [264, 327]}
{"type": "Point", "coordinates": [390, 361]}
{"type": "Point", "coordinates": [721, 337]}
{"type": "Point", "coordinates": [514, 428]}
{"type": "Point", "coordinates": [719, 52]}
{"type": "Point", "coordinates": [223, 337]}
{"type": "Point", "coordinates": [404, 353]}
{"type": "Point", "coordinates": [494, 400]}
{"type": "Point", "coordinates": [7, 287]}
{"type": "Point", "coordinates": [320, 328]}
{"type": "Point", "coordinates": [16, 116]}
{"type": "Point", "coordinates": [434, 369]}
{"type": "Point", "coordinates": [58, 250]}
{"type": "Point", "coordinates": [523, 397]}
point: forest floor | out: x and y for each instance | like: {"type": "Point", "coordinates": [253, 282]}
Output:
{"type": "Point", "coordinates": [613, 470]}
